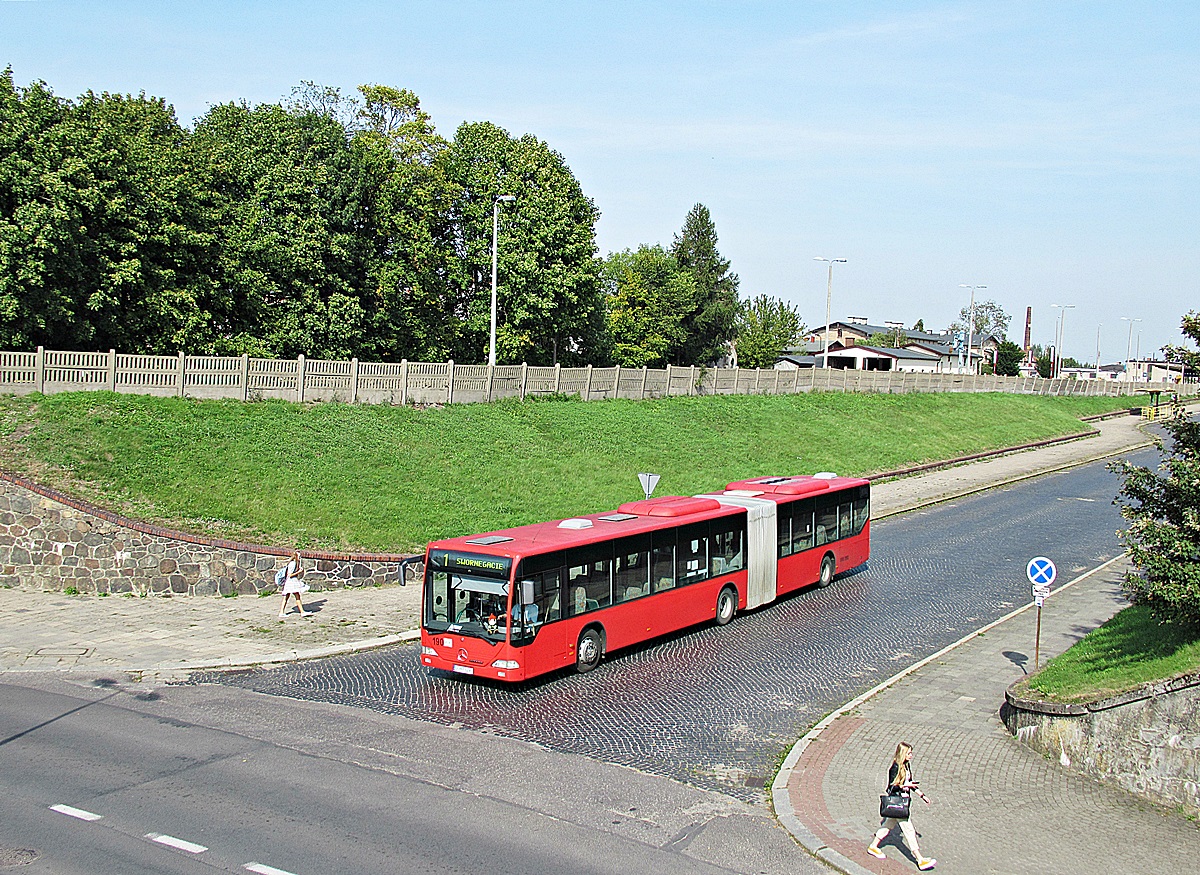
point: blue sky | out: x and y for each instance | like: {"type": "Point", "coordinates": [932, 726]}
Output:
{"type": "Point", "coordinates": [1047, 150]}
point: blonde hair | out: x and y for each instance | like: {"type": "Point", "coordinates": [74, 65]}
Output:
{"type": "Point", "coordinates": [903, 749]}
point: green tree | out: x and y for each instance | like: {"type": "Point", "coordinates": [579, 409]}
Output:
{"type": "Point", "coordinates": [98, 245]}
{"type": "Point", "coordinates": [766, 327]}
{"type": "Point", "coordinates": [1008, 359]}
{"type": "Point", "coordinates": [892, 339]}
{"type": "Point", "coordinates": [1163, 538]}
{"type": "Point", "coordinates": [646, 295]}
{"type": "Point", "coordinates": [990, 319]}
{"type": "Point", "coordinates": [293, 233]}
{"type": "Point", "coordinates": [1190, 326]}
{"type": "Point", "coordinates": [919, 325]}
{"type": "Point", "coordinates": [549, 302]}
{"type": "Point", "coordinates": [712, 323]}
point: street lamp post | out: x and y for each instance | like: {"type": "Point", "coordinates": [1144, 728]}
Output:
{"type": "Point", "coordinates": [1062, 329]}
{"type": "Point", "coordinates": [1098, 326]}
{"type": "Point", "coordinates": [970, 319]}
{"type": "Point", "coordinates": [507, 199]}
{"type": "Point", "coordinates": [828, 300]}
{"type": "Point", "coordinates": [1128, 344]}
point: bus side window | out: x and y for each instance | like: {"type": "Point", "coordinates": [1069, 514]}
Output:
{"type": "Point", "coordinates": [589, 581]}
{"type": "Point", "coordinates": [845, 513]}
{"type": "Point", "coordinates": [691, 555]}
{"type": "Point", "coordinates": [802, 525]}
{"type": "Point", "coordinates": [631, 568]}
{"type": "Point", "coordinates": [662, 560]}
{"type": "Point", "coordinates": [862, 502]}
{"type": "Point", "coordinates": [826, 520]}
{"type": "Point", "coordinates": [726, 549]}
{"type": "Point", "coordinates": [783, 520]}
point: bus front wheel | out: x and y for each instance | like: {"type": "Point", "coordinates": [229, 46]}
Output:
{"type": "Point", "coordinates": [726, 606]}
{"type": "Point", "coordinates": [827, 571]}
{"type": "Point", "coordinates": [587, 654]}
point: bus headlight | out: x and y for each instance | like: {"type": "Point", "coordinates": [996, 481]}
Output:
{"type": "Point", "coordinates": [508, 664]}
{"type": "Point", "coordinates": [428, 651]}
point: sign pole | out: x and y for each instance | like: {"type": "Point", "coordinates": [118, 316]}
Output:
{"type": "Point", "coordinates": [1041, 573]}
{"type": "Point", "coordinates": [1037, 641]}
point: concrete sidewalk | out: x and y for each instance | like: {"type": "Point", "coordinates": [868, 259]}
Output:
{"type": "Point", "coordinates": [168, 636]}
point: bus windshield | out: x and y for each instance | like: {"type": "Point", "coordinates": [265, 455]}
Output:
{"type": "Point", "coordinates": [467, 594]}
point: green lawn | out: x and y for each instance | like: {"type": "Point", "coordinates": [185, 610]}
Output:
{"type": "Point", "coordinates": [382, 478]}
{"type": "Point", "coordinates": [1131, 649]}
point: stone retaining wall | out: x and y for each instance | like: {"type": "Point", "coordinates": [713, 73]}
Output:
{"type": "Point", "coordinates": [49, 541]}
{"type": "Point", "coordinates": [1146, 741]}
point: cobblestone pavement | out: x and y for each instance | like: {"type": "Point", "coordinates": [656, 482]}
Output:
{"type": "Point", "coordinates": [717, 707]}
{"type": "Point", "coordinates": [997, 807]}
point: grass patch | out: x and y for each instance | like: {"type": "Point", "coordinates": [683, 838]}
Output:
{"type": "Point", "coordinates": [380, 478]}
{"type": "Point", "coordinates": [1131, 649]}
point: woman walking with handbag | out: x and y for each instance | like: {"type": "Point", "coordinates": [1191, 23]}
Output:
{"type": "Point", "coordinates": [894, 807]}
{"type": "Point", "coordinates": [293, 585]}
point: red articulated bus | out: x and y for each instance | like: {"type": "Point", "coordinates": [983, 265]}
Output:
{"type": "Point", "coordinates": [518, 603]}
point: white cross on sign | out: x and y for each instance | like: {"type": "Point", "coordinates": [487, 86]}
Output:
{"type": "Point", "coordinates": [1041, 573]}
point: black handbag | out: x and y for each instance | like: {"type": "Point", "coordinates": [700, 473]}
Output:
{"type": "Point", "coordinates": [894, 806]}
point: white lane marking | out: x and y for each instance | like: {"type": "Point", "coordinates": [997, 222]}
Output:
{"type": "Point", "coordinates": [263, 869]}
{"type": "Point", "coordinates": [171, 841]}
{"type": "Point", "coordinates": [75, 812]}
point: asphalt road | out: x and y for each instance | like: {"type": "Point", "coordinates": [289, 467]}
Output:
{"type": "Point", "coordinates": [104, 782]}
{"type": "Point", "coordinates": [717, 707]}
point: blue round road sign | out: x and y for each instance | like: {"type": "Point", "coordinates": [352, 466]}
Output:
{"type": "Point", "coordinates": [1041, 571]}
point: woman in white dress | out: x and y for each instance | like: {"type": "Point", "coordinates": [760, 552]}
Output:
{"type": "Point", "coordinates": [293, 585]}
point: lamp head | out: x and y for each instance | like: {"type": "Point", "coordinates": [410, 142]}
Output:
{"type": "Point", "coordinates": [506, 198]}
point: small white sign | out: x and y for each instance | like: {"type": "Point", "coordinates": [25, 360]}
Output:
{"type": "Point", "coordinates": [649, 481]}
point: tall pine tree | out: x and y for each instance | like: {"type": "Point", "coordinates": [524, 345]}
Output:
{"type": "Point", "coordinates": [712, 323]}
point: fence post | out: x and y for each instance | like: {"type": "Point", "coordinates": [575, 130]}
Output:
{"type": "Point", "coordinates": [245, 375]}
{"type": "Point", "coordinates": [557, 377]}
{"type": "Point", "coordinates": [300, 378]}
{"type": "Point", "coordinates": [112, 370]}
{"type": "Point", "coordinates": [587, 385]}
{"type": "Point", "coordinates": [642, 390]}
{"type": "Point", "coordinates": [490, 377]}
{"type": "Point", "coordinates": [354, 380]}
{"type": "Point", "coordinates": [39, 370]}
{"type": "Point", "coordinates": [524, 378]}
{"type": "Point", "coordinates": [617, 383]}
{"type": "Point", "coordinates": [403, 382]}
{"type": "Point", "coordinates": [692, 380]}
{"type": "Point", "coordinates": [450, 384]}
{"type": "Point", "coordinates": [668, 392]}
{"type": "Point", "coordinates": [179, 375]}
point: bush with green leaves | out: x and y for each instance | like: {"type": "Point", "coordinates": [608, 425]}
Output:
{"type": "Point", "coordinates": [1163, 538]}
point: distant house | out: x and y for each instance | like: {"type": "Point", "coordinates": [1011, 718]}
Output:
{"type": "Point", "coordinates": [855, 331]}
{"type": "Point", "coordinates": [855, 356]}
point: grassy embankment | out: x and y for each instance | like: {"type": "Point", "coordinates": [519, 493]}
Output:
{"type": "Point", "coordinates": [380, 478]}
{"type": "Point", "coordinates": [1131, 649]}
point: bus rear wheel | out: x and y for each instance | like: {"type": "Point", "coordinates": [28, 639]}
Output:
{"type": "Point", "coordinates": [828, 568]}
{"type": "Point", "coordinates": [587, 654]}
{"type": "Point", "coordinates": [726, 606]}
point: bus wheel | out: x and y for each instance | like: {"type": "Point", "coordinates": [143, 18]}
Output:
{"type": "Point", "coordinates": [827, 571]}
{"type": "Point", "coordinates": [726, 606]}
{"type": "Point", "coordinates": [587, 654]}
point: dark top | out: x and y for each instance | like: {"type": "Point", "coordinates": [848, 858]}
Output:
{"type": "Point", "coordinates": [892, 788]}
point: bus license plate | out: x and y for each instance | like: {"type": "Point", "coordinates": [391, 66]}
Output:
{"type": "Point", "coordinates": [464, 669]}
